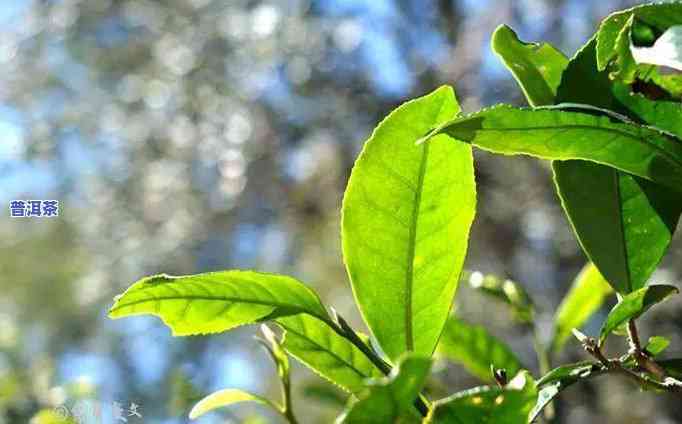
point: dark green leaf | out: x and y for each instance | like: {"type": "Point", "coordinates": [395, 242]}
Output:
{"type": "Point", "coordinates": [318, 346]}
{"type": "Point", "coordinates": [624, 223]}
{"type": "Point", "coordinates": [217, 301]}
{"type": "Point", "coordinates": [405, 225]}
{"type": "Point", "coordinates": [536, 67]}
{"type": "Point", "coordinates": [508, 291]}
{"type": "Point", "coordinates": [389, 400]}
{"type": "Point", "coordinates": [628, 229]}
{"type": "Point", "coordinates": [476, 349]}
{"type": "Point", "coordinates": [225, 398]}
{"type": "Point", "coordinates": [561, 135]}
{"type": "Point", "coordinates": [633, 305]}
{"type": "Point", "coordinates": [509, 405]}
{"type": "Point", "coordinates": [586, 295]}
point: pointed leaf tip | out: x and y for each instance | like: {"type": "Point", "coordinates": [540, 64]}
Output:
{"type": "Point", "coordinates": [633, 305]}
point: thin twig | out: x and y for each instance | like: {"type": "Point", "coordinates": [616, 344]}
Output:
{"type": "Point", "coordinates": [616, 366]}
{"type": "Point", "coordinates": [641, 357]}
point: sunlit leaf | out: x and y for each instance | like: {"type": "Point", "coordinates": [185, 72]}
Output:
{"type": "Point", "coordinates": [586, 295]}
{"type": "Point", "coordinates": [562, 135]}
{"type": "Point", "coordinates": [536, 67]}
{"type": "Point", "coordinates": [227, 397]}
{"type": "Point", "coordinates": [216, 301]}
{"type": "Point", "coordinates": [390, 399]}
{"type": "Point", "coordinates": [510, 405]}
{"type": "Point", "coordinates": [319, 347]}
{"type": "Point", "coordinates": [476, 349]}
{"type": "Point", "coordinates": [656, 345]}
{"type": "Point", "coordinates": [407, 211]}
{"type": "Point", "coordinates": [277, 353]}
{"type": "Point", "coordinates": [634, 305]}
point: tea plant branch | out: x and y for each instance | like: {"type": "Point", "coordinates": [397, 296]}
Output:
{"type": "Point", "coordinates": [287, 410]}
{"type": "Point", "coordinates": [616, 366]}
{"type": "Point", "coordinates": [341, 326]}
{"type": "Point", "coordinates": [641, 357]}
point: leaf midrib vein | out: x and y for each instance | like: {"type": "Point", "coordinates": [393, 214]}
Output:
{"type": "Point", "coordinates": [619, 211]}
{"type": "Point", "coordinates": [625, 134]}
{"type": "Point", "coordinates": [411, 249]}
{"type": "Point", "coordinates": [321, 348]}
{"type": "Point", "coordinates": [209, 298]}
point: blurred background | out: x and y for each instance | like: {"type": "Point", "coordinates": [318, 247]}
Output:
{"type": "Point", "coordinates": [183, 136]}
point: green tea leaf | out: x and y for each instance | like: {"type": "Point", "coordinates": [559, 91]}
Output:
{"type": "Point", "coordinates": [225, 398]}
{"type": "Point", "coordinates": [666, 115]}
{"type": "Point", "coordinates": [389, 400]}
{"type": "Point", "coordinates": [624, 223]}
{"type": "Point", "coordinates": [476, 349]}
{"type": "Point", "coordinates": [569, 373]}
{"type": "Point", "coordinates": [633, 305]}
{"type": "Point", "coordinates": [536, 67]}
{"type": "Point", "coordinates": [628, 230]}
{"type": "Point", "coordinates": [656, 345]}
{"type": "Point", "coordinates": [281, 360]}
{"type": "Point", "coordinates": [586, 295]}
{"type": "Point", "coordinates": [509, 292]}
{"type": "Point", "coordinates": [510, 405]}
{"type": "Point", "coordinates": [407, 211]}
{"type": "Point", "coordinates": [561, 135]}
{"type": "Point", "coordinates": [217, 301]}
{"type": "Point", "coordinates": [660, 16]}
{"type": "Point", "coordinates": [624, 32]}
{"type": "Point", "coordinates": [315, 344]}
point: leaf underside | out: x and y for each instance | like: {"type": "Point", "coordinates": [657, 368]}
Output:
{"type": "Point", "coordinates": [623, 222]}
{"type": "Point", "coordinates": [633, 305]}
{"type": "Point", "coordinates": [319, 347]}
{"type": "Point", "coordinates": [406, 216]}
{"type": "Point", "coordinates": [217, 301]}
